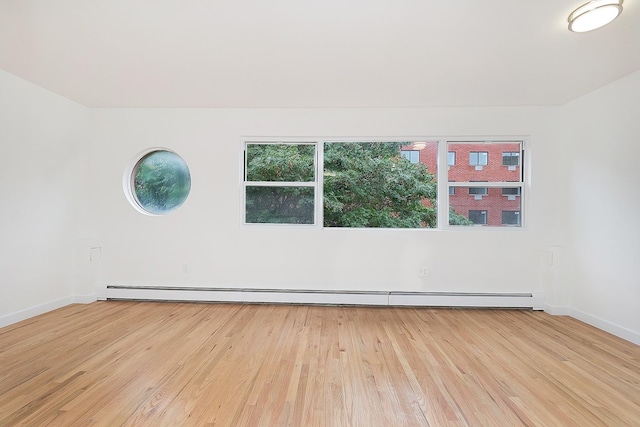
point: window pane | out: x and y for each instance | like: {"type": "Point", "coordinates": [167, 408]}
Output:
{"type": "Point", "coordinates": [492, 200]}
{"type": "Point", "coordinates": [473, 158]}
{"type": "Point", "coordinates": [510, 158]}
{"type": "Point", "coordinates": [370, 184]}
{"type": "Point", "coordinates": [483, 158]}
{"type": "Point", "coordinates": [487, 162]}
{"type": "Point", "coordinates": [451, 158]}
{"type": "Point", "coordinates": [280, 162]}
{"type": "Point", "coordinates": [478, 217]}
{"type": "Point", "coordinates": [160, 182]}
{"type": "Point", "coordinates": [279, 205]}
{"type": "Point", "coordinates": [478, 158]}
{"type": "Point", "coordinates": [478, 190]}
{"type": "Point", "coordinates": [511, 217]}
{"type": "Point", "coordinates": [508, 191]}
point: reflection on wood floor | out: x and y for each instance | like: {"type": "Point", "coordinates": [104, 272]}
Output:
{"type": "Point", "coordinates": [142, 363]}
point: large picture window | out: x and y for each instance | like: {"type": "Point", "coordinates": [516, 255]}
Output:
{"type": "Point", "coordinates": [375, 185]}
{"type": "Point", "coordinates": [382, 184]}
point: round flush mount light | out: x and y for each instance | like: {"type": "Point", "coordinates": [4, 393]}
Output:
{"type": "Point", "coordinates": [420, 145]}
{"type": "Point", "coordinates": [594, 14]}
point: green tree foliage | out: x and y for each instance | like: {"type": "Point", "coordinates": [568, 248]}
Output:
{"type": "Point", "coordinates": [366, 184]}
{"type": "Point", "coordinates": [457, 219]}
{"type": "Point", "coordinates": [161, 182]}
{"type": "Point", "coordinates": [280, 163]}
{"type": "Point", "coordinates": [369, 184]}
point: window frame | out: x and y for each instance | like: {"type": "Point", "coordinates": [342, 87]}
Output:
{"type": "Point", "coordinates": [511, 156]}
{"type": "Point", "coordinates": [444, 205]}
{"type": "Point", "coordinates": [481, 191]}
{"type": "Point", "coordinates": [516, 214]}
{"type": "Point", "coordinates": [449, 158]}
{"type": "Point", "coordinates": [477, 153]}
{"type": "Point", "coordinates": [315, 184]}
{"type": "Point", "coordinates": [441, 176]}
{"type": "Point", "coordinates": [482, 212]}
{"type": "Point", "coordinates": [128, 181]}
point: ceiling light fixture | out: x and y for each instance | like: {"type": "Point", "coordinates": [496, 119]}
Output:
{"type": "Point", "coordinates": [594, 14]}
{"type": "Point", "coordinates": [419, 145]}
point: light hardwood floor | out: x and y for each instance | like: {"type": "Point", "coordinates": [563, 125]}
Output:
{"type": "Point", "coordinates": [129, 363]}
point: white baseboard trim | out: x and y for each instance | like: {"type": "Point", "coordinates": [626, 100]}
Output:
{"type": "Point", "coordinates": [255, 296]}
{"type": "Point", "coordinates": [445, 299]}
{"type": "Point", "coordinates": [85, 299]}
{"type": "Point", "coordinates": [605, 325]}
{"type": "Point", "coordinates": [557, 311]}
{"type": "Point", "coordinates": [420, 299]}
{"type": "Point", "coordinates": [36, 310]}
{"type": "Point", "coordinates": [289, 296]}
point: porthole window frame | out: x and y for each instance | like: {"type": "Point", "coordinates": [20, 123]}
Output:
{"type": "Point", "coordinates": [128, 179]}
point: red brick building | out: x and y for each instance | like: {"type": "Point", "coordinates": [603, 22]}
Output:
{"type": "Point", "coordinates": [475, 163]}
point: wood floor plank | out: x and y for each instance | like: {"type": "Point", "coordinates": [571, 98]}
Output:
{"type": "Point", "coordinates": [143, 363]}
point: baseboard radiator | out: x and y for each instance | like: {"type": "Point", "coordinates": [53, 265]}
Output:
{"type": "Point", "coordinates": [323, 297]}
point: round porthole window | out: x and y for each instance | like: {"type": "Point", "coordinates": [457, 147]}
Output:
{"type": "Point", "coordinates": [158, 183]}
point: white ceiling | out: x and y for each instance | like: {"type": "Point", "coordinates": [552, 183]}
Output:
{"type": "Point", "coordinates": [313, 53]}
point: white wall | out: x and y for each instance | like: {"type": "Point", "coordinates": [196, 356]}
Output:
{"type": "Point", "coordinates": [41, 152]}
{"type": "Point", "coordinates": [206, 234]}
{"type": "Point", "coordinates": [603, 206]}
{"type": "Point", "coordinates": [66, 224]}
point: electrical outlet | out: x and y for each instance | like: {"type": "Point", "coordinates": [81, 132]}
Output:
{"type": "Point", "coordinates": [423, 272]}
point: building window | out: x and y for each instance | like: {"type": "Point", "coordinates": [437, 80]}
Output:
{"type": "Point", "coordinates": [510, 158]}
{"type": "Point", "coordinates": [158, 183]}
{"type": "Point", "coordinates": [478, 191]}
{"type": "Point", "coordinates": [280, 183]}
{"type": "Point", "coordinates": [451, 158]}
{"type": "Point", "coordinates": [511, 191]}
{"type": "Point", "coordinates": [452, 191]}
{"type": "Point", "coordinates": [511, 217]}
{"type": "Point", "coordinates": [478, 217]}
{"type": "Point", "coordinates": [478, 158]}
{"type": "Point", "coordinates": [412, 155]}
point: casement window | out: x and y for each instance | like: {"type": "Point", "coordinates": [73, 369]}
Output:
{"type": "Point", "coordinates": [478, 158]}
{"type": "Point", "coordinates": [280, 183]}
{"type": "Point", "coordinates": [495, 189]}
{"type": "Point", "coordinates": [380, 184]}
